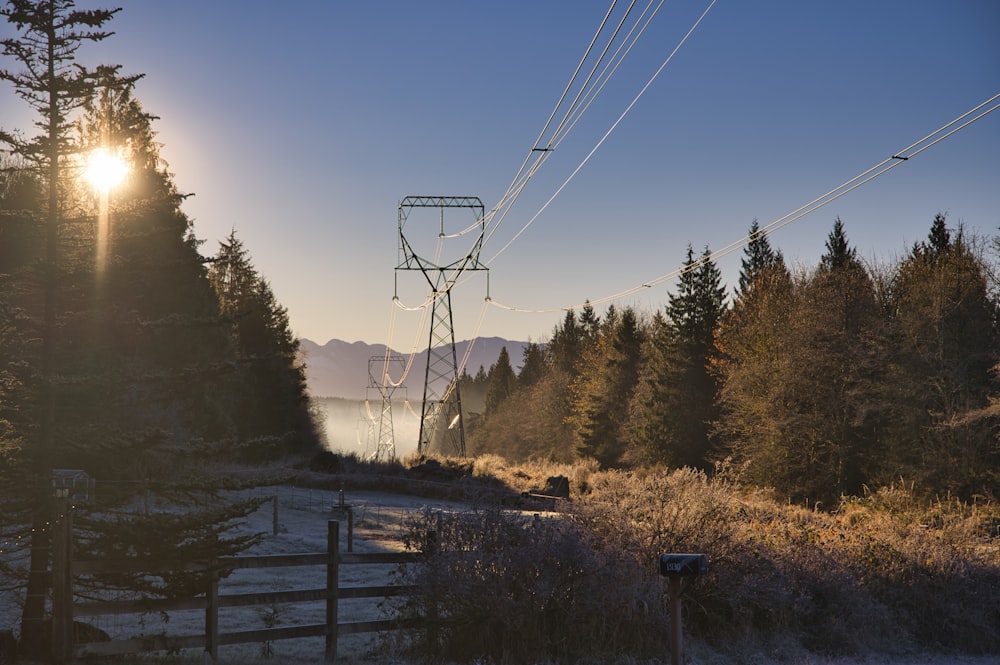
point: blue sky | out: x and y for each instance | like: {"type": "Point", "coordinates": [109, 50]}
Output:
{"type": "Point", "coordinates": [303, 124]}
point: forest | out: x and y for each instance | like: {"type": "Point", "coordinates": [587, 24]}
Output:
{"type": "Point", "coordinates": [816, 382]}
{"type": "Point", "coordinates": [125, 354]}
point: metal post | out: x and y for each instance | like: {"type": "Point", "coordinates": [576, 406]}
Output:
{"type": "Point", "coordinates": [350, 529]}
{"type": "Point", "coordinates": [676, 622]}
{"type": "Point", "coordinates": [62, 578]}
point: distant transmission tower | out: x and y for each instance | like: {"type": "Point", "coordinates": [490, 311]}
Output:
{"type": "Point", "coordinates": [441, 426]}
{"type": "Point", "coordinates": [378, 378]}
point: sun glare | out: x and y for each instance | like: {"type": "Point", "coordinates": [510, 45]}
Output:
{"type": "Point", "coordinates": [105, 170]}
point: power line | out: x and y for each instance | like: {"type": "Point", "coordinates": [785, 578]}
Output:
{"type": "Point", "coordinates": [606, 134]}
{"type": "Point", "coordinates": [897, 159]}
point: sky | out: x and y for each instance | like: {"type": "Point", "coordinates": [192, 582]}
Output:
{"type": "Point", "coordinates": [303, 125]}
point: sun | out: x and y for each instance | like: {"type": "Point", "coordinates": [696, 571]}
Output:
{"type": "Point", "coordinates": [105, 170]}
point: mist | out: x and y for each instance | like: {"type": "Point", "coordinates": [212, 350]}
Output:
{"type": "Point", "coordinates": [352, 425]}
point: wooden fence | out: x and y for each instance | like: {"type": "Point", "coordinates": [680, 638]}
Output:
{"type": "Point", "coordinates": [64, 610]}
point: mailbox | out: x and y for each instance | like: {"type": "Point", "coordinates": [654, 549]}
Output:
{"type": "Point", "coordinates": [683, 565]}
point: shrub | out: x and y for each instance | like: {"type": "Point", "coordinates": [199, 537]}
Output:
{"type": "Point", "coordinates": [508, 587]}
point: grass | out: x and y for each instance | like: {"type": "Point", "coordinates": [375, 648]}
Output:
{"type": "Point", "coordinates": [885, 577]}
{"type": "Point", "coordinates": [882, 574]}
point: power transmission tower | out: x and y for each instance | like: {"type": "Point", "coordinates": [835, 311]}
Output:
{"type": "Point", "coordinates": [441, 424]}
{"type": "Point", "coordinates": [378, 379]}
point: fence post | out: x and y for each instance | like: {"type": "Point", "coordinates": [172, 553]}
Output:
{"type": "Point", "coordinates": [350, 529]}
{"type": "Point", "coordinates": [62, 578]}
{"type": "Point", "coordinates": [212, 616]}
{"type": "Point", "coordinates": [332, 590]}
{"type": "Point", "coordinates": [274, 515]}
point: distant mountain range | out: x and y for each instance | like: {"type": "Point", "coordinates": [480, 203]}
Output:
{"type": "Point", "coordinates": [340, 369]}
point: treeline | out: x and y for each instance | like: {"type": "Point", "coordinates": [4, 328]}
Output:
{"type": "Point", "coordinates": [125, 354]}
{"type": "Point", "coordinates": [816, 382]}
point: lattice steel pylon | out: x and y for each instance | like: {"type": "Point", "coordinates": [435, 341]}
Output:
{"type": "Point", "coordinates": [441, 423]}
{"type": "Point", "coordinates": [380, 369]}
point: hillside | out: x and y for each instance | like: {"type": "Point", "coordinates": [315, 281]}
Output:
{"type": "Point", "coordinates": [340, 369]}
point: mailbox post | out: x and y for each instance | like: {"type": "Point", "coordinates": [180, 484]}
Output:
{"type": "Point", "coordinates": [679, 569]}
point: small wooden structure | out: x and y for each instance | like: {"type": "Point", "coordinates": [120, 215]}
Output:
{"type": "Point", "coordinates": [65, 610]}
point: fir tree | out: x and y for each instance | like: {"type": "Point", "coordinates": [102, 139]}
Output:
{"type": "Point", "coordinates": [758, 257]}
{"type": "Point", "coordinates": [275, 404]}
{"type": "Point", "coordinates": [533, 366]}
{"type": "Point", "coordinates": [693, 314]}
{"type": "Point", "coordinates": [500, 382]}
{"type": "Point", "coordinates": [839, 254]}
{"type": "Point", "coordinates": [603, 387]}
{"type": "Point", "coordinates": [53, 84]}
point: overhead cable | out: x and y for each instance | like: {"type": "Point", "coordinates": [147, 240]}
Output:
{"type": "Point", "coordinates": [896, 159]}
{"type": "Point", "coordinates": [606, 134]}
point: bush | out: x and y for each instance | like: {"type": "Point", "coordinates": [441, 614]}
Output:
{"type": "Point", "coordinates": [884, 574]}
{"type": "Point", "coordinates": [507, 587]}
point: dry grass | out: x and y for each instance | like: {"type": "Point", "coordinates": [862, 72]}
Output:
{"type": "Point", "coordinates": [884, 574]}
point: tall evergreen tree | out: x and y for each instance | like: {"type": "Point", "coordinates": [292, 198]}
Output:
{"type": "Point", "coordinates": [839, 253]}
{"type": "Point", "coordinates": [758, 257]}
{"type": "Point", "coordinates": [566, 343]}
{"type": "Point", "coordinates": [601, 391]}
{"type": "Point", "coordinates": [133, 352]}
{"type": "Point", "coordinates": [500, 382]}
{"type": "Point", "coordinates": [939, 238]}
{"type": "Point", "coordinates": [53, 84]}
{"type": "Point", "coordinates": [275, 403]}
{"type": "Point", "coordinates": [533, 366]}
{"type": "Point", "coordinates": [752, 353]}
{"type": "Point", "coordinates": [684, 364]}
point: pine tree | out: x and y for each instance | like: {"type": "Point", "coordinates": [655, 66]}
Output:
{"type": "Point", "coordinates": [839, 254]}
{"type": "Point", "coordinates": [939, 239]}
{"type": "Point", "coordinates": [500, 382]}
{"type": "Point", "coordinates": [54, 84]}
{"type": "Point", "coordinates": [751, 344]}
{"type": "Point", "coordinates": [601, 391]}
{"type": "Point", "coordinates": [566, 343]}
{"type": "Point", "coordinates": [533, 366]}
{"type": "Point", "coordinates": [758, 257]}
{"type": "Point", "coordinates": [800, 367]}
{"type": "Point", "coordinates": [652, 430]}
{"type": "Point", "coordinates": [133, 353]}
{"type": "Point", "coordinates": [684, 364]}
{"type": "Point", "coordinates": [275, 405]}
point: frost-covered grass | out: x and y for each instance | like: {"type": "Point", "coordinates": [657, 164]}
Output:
{"type": "Point", "coordinates": [884, 580]}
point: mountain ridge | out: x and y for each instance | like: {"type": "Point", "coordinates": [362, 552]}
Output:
{"type": "Point", "coordinates": [340, 369]}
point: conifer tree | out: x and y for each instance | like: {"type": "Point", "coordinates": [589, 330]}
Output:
{"type": "Point", "coordinates": [758, 257]}
{"type": "Point", "coordinates": [533, 366]}
{"type": "Point", "coordinates": [693, 314]}
{"type": "Point", "coordinates": [132, 352]}
{"type": "Point", "coordinates": [500, 382]}
{"type": "Point", "coordinates": [566, 343]}
{"type": "Point", "coordinates": [751, 346]}
{"type": "Point", "coordinates": [652, 426]}
{"type": "Point", "coordinates": [603, 387]}
{"type": "Point", "coordinates": [275, 405]}
{"type": "Point", "coordinates": [53, 84]}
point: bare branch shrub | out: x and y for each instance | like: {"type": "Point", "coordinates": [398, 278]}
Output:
{"type": "Point", "coordinates": [509, 587]}
{"type": "Point", "coordinates": [886, 573]}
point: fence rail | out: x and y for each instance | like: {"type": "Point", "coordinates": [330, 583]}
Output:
{"type": "Point", "coordinates": [64, 610]}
